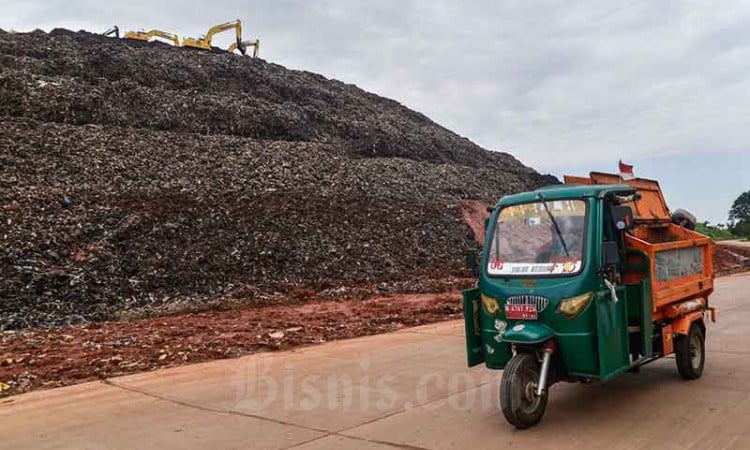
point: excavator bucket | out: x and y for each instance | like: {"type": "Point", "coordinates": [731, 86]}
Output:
{"type": "Point", "coordinates": [242, 47]}
{"type": "Point", "coordinates": [115, 30]}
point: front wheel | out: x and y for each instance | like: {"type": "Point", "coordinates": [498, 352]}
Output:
{"type": "Point", "coordinates": [518, 400]}
{"type": "Point", "coordinates": [690, 353]}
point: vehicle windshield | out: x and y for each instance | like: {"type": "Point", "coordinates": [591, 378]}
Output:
{"type": "Point", "coordinates": [538, 238]}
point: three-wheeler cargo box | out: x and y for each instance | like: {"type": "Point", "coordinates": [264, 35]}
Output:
{"type": "Point", "coordinates": [681, 260]}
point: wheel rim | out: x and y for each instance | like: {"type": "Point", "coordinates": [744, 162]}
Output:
{"type": "Point", "coordinates": [696, 351]}
{"type": "Point", "coordinates": [529, 400]}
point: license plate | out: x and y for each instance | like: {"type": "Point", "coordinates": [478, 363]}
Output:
{"type": "Point", "coordinates": [525, 312]}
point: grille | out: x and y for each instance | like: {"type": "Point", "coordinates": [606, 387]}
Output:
{"type": "Point", "coordinates": [537, 300]}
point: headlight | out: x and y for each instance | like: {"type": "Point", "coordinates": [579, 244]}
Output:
{"type": "Point", "coordinates": [571, 307]}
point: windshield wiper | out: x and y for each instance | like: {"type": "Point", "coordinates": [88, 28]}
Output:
{"type": "Point", "coordinates": [557, 228]}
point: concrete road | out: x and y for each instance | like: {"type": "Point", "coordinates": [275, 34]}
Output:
{"type": "Point", "coordinates": [735, 243]}
{"type": "Point", "coordinates": [408, 389]}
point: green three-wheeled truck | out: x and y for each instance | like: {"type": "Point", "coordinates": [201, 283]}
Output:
{"type": "Point", "coordinates": [585, 281]}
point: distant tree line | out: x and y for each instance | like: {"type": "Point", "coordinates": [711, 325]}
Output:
{"type": "Point", "coordinates": [738, 225]}
{"type": "Point", "coordinates": [739, 216]}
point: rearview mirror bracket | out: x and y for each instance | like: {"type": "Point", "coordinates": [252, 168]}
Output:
{"type": "Point", "coordinates": [472, 262]}
{"type": "Point", "coordinates": [610, 255]}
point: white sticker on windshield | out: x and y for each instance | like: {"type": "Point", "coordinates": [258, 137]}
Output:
{"type": "Point", "coordinates": [499, 268]}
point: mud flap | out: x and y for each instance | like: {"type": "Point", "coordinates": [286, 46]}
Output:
{"type": "Point", "coordinates": [474, 351]}
{"type": "Point", "coordinates": [528, 333]}
{"type": "Point", "coordinates": [681, 325]}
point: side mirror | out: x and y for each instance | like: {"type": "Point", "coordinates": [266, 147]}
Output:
{"type": "Point", "coordinates": [610, 254]}
{"type": "Point", "coordinates": [622, 217]}
{"type": "Point", "coordinates": [472, 261]}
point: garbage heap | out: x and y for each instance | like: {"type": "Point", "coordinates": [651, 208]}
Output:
{"type": "Point", "coordinates": [138, 175]}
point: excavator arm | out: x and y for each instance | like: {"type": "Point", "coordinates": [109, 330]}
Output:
{"type": "Point", "coordinates": [147, 35]}
{"type": "Point", "coordinates": [205, 41]}
{"type": "Point", "coordinates": [236, 24]}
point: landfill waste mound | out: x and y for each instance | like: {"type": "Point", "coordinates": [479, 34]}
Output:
{"type": "Point", "coordinates": [136, 176]}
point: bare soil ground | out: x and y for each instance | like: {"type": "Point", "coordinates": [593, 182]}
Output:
{"type": "Point", "coordinates": [51, 357]}
{"type": "Point", "coordinates": [730, 258]}
{"type": "Point", "coordinates": [475, 214]}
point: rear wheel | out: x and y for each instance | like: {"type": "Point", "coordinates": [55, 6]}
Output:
{"type": "Point", "coordinates": [690, 353]}
{"type": "Point", "coordinates": [518, 400]}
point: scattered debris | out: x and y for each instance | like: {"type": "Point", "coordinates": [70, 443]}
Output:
{"type": "Point", "coordinates": [276, 335]}
{"type": "Point", "coordinates": [67, 203]}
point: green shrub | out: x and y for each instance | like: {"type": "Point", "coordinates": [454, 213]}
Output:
{"type": "Point", "coordinates": [714, 232]}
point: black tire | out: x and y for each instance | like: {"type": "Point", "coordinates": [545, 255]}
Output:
{"type": "Point", "coordinates": [519, 403]}
{"type": "Point", "coordinates": [690, 353]}
{"type": "Point", "coordinates": [684, 219]}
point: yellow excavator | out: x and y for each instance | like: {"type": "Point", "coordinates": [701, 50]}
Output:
{"type": "Point", "coordinates": [147, 35]}
{"type": "Point", "coordinates": [204, 43]}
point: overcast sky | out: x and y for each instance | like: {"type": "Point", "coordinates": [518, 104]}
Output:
{"type": "Point", "coordinates": [564, 86]}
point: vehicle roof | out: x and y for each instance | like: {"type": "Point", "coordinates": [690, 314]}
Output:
{"type": "Point", "coordinates": [566, 192]}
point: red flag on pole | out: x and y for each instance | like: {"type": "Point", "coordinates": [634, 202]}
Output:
{"type": "Point", "coordinates": [626, 171]}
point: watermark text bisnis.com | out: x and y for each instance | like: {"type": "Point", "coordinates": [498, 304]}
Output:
{"type": "Point", "coordinates": [261, 383]}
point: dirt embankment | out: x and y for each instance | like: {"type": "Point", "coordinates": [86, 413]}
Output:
{"type": "Point", "coordinates": [52, 357]}
{"type": "Point", "coordinates": [475, 213]}
{"type": "Point", "coordinates": [730, 259]}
